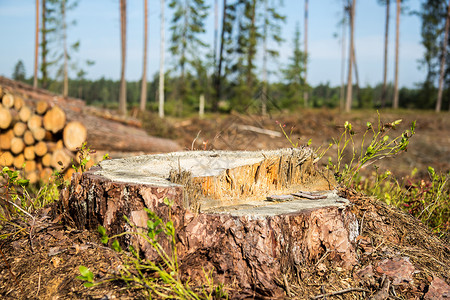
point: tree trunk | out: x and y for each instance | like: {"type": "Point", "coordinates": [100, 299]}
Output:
{"type": "Point", "coordinates": [218, 84]}
{"type": "Point", "coordinates": [397, 46]}
{"type": "Point", "coordinates": [66, 57]}
{"type": "Point", "coordinates": [264, 69]}
{"type": "Point", "coordinates": [342, 92]}
{"type": "Point", "coordinates": [36, 47]}
{"type": "Point", "coordinates": [305, 94]}
{"type": "Point", "coordinates": [444, 55]}
{"type": "Point", "coordinates": [355, 67]}
{"type": "Point", "coordinates": [386, 41]}
{"type": "Point", "coordinates": [144, 60]}
{"type": "Point", "coordinates": [216, 31]}
{"type": "Point", "coordinates": [44, 49]}
{"type": "Point", "coordinates": [221, 213]}
{"type": "Point", "coordinates": [161, 65]}
{"type": "Point", "coordinates": [348, 103]}
{"type": "Point", "coordinates": [123, 84]}
{"type": "Point", "coordinates": [251, 51]}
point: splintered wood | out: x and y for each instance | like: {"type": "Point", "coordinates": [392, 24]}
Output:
{"type": "Point", "coordinates": [277, 172]}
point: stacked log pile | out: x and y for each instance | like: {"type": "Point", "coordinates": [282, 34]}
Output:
{"type": "Point", "coordinates": [36, 137]}
{"type": "Point", "coordinates": [36, 122]}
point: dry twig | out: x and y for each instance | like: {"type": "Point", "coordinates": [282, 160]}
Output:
{"type": "Point", "coordinates": [340, 292]}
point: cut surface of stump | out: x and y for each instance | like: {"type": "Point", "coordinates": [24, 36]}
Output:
{"type": "Point", "coordinates": [249, 216]}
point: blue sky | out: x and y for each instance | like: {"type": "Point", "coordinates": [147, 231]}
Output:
{"type": "Point", "coordinates": [98, 29]}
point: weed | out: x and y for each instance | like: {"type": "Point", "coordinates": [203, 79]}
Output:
{"type": "Point", "coordinates": [320, 152]}
{"type": "Point", "coordinates": [160, 278]}
{"type": "Point", "coordinates": [84, 156]}
{"type": "Point", "coordinates": [380, 146]}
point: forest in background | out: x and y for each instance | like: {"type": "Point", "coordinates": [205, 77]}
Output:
{"type": "Point", "coordinates": [227, 74]}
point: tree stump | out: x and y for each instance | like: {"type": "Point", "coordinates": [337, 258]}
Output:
{"type": "Point", "coordinates": [222, 214]}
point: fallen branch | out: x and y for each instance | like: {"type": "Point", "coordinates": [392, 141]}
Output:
{"type": "Point", "coordinates": [340, 292]}
{"type": "Point", "coordinates": [259, 130]}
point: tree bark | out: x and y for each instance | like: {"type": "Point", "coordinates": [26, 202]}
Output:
{"type": "Point", "coordinates": [386, 41]}
{"type": "Point", "coordinates": [397, 46]}
{"type": "Point", "coordinates": [348, 103]}
{"type": "Point", "coordinates": [444, 55]}
{"type": "Point", "coordinates": [161, 65]}
{"type": "Point", "coordinates": [123, 84]}
{"type": "Point", "coordinates": [144, 60]}
{"type": "Point", "coordinates": [36, 47]}
{"type": "Point", "coordinates": [219, 212]}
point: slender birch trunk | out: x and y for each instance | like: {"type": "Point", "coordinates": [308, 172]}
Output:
{"type": "Point", "coordinates": [66, 57]}
{"type": "Point", "coordinates": [36, 47]}
{"type": "Point", "coordinates": [397, 46]}
{"type": "Point", "coordinates": [386, 41]}
{"type": "Point", "coordinates": [344, 30]}
{"type": "Point", "coordinates": [123, 84]}
{"type": "Point", "coordinates": [264, 70]}
{"type": "Point", "coordinates": [144, 60]}
{"type": "Point", "coordinates": [161, 65]}
{"type": "Point", "coordinates": [44, 47]}
{"type": "Point", "coordinates": [219, 67]}
{"type": "Point", "coordinates": [305, 93]}
{"type": "Point", "coordinates": [348, 103]}
{"type": "Point", "coordinates": [444, 54]}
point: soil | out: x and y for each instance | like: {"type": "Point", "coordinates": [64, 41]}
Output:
{"type": "Point", "coordinates": [40, 257]}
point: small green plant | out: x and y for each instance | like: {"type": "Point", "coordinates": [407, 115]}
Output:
{"type": "Point", "coordinates": [84, 156]}
{"type": "Point", "coordinates": [15, 198]}
{"type": "Point", "coordinates": [380, 146]}
{"type": "Point", "coordinates": [159, 278]}
{"type": "Point", "coordinates": [426, 199]}
{"type": "Point", "coordinates": [87, 276]}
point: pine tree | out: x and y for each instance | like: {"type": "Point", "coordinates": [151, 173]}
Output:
{"type": "Point", "coordinates": [271, 32]}
{"type": "Point", "coordinates": [294, 73]}
{"type": "Point", "coordinates": [19, 71]}
{"type": "Point", "coordinates": [433, 16]}
{"type": "Point", "coordinates": [55, 41]}
{"type": "Point", "coordinates": [186, 45]}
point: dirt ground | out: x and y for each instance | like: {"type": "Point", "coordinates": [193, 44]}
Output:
{"type": "Point", "coordinates": [430, 146]}
{"type": "Point", "coordinates": [40, 257]}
